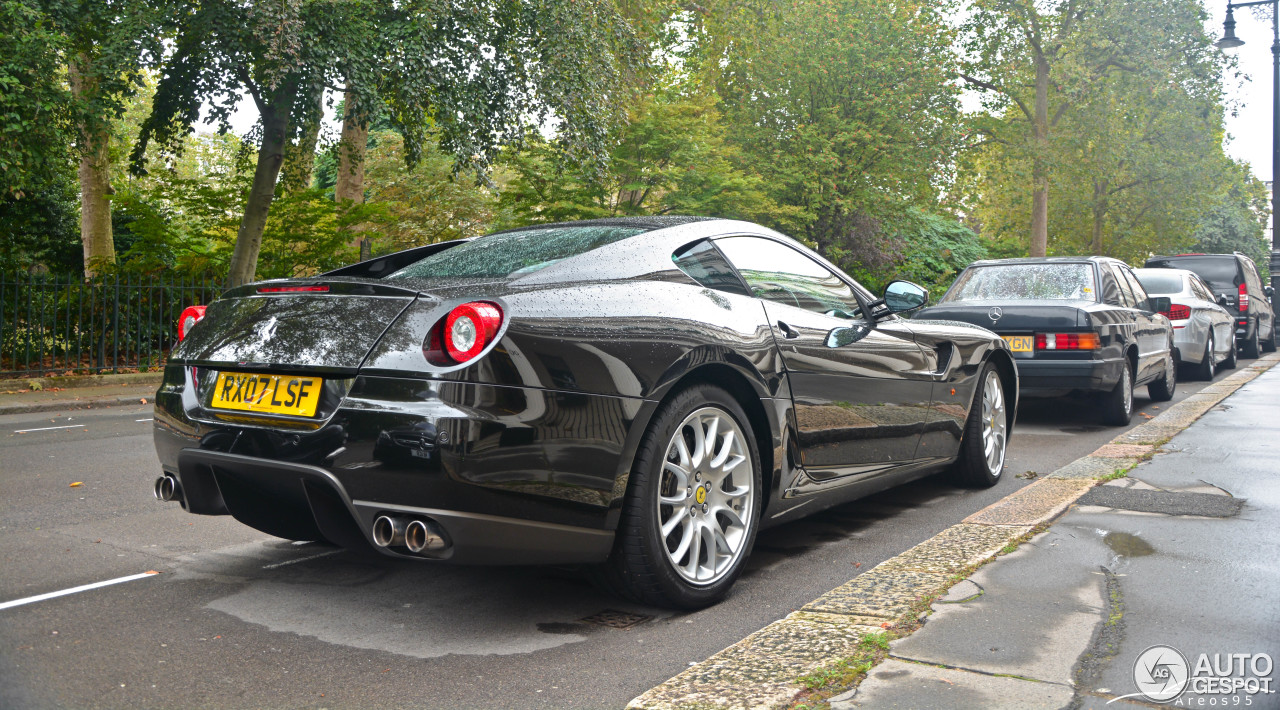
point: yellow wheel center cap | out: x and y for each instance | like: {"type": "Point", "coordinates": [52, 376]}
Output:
{"type": "Point", "coordinates": [701, 495]}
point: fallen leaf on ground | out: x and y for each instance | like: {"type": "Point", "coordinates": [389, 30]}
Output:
{"type": "Point", "coordinates": [77, 483]}
{"type": "Point", "coordinates": [144, 400]}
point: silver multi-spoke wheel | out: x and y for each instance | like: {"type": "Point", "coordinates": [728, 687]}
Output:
{"type": "Point", "coordinates": [705, 496]}
{"type": "Point", "coordinates": [994, 423]}
{"type": "Point", "coordinates": [1126, 390]}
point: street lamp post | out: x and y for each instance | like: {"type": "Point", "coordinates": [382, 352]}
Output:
{"type": "Point", "coordinates": [1230, 40]}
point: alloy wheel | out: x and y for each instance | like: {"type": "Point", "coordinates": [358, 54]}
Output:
{"type": "Point", "coordinates": [994, 423]}
{"type": "Point", "coordinates": [705, 496]}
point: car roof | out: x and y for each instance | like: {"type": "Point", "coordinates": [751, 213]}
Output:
{"type": "Point", "coordinates": [1048, 260]}
{"type": "Point", "coordinates": [647, 222]}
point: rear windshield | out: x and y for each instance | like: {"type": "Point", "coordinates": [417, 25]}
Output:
{"type": "Point", "coordinates": [1156, 282]}
{"type": "Point", "coordinates": [1024, 282]}
{"type": "Point", "coordinates": [513, 254]}
{"type": "Point", "coordinates": [1220, 272]}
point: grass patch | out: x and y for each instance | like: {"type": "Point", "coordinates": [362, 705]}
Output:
{"type": "Point", "coordinates": [1118, 473]}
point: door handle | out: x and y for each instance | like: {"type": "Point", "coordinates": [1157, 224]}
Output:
{"type": "Point", "coordinates": [787, 331]}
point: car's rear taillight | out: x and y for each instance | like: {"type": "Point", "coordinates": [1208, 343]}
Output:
{"type": "Point", "coordinates": [1067, 341]}
{"type": "Point", "coordinates": [190, 316]}
{"type": "Point", "coordinates": [1244, 298]}
{"type": "Point", "coordinates": [1177, 312]}
{"type": "Point", "coordinates": [463, 334]}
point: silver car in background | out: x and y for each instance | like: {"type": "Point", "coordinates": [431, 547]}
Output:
{"type": "Point", "coordinates": [1204, 333]}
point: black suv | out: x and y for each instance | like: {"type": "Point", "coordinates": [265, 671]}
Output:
{"type": "Point", "coordinates": [1235, 281]}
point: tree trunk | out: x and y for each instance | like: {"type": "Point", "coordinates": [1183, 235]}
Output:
{"type": "Point", "coordinates": [351, 153]}
{"type": "Point", "coordinates": [1099, 215]}
{"type": "Point", "coordinates": [95, 178]}
{"type": "Point", "coordinates": [275, 131]}
{"type": "Point", "coordinates": [1040, 163]}
{"type": "Point", "coordinates": [300, 158]}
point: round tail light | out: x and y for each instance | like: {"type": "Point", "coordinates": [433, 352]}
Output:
{"type": "Point", "coordinates": [464, 333]}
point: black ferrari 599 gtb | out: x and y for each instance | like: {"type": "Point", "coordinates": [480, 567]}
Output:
{"type": "Point", "coordinates": [639, 395]}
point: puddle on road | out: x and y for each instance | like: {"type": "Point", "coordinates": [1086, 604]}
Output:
{"type": "Point", "coordinates": [1127, 545]}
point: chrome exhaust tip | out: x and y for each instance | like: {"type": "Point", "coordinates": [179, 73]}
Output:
{"type": "Point", "coordinates": [421, 536]}
{"type": "Point", "coordinates": [388, 531]}
{"type": "Point", "coordinates": [167, 488]}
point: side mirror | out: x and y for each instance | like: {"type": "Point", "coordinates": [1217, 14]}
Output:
{"type": "Point", "coordinates": [903, 296]}
{"type": "Point", "coordinates": [1222, 301]}
{"type": "Point", "coordinates": [1160, 304]}
{"type": "Point", "coordinates": [1268, 290]}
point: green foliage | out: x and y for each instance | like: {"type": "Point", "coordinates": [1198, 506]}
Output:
{"type": "Point", "coordinates": [36, 115]}
{"type": "Point", "coordinates": [846, 107]}
{"type": "Point", "coordinates": [928, 249]}
{"type": "Point", "coordinates": [1122, 122]}
{"type": "Point", "coordinates": [670, 157]}
{"type": "Point", "coordinates": [40, 229]}
{"type": "Point", "coordinates": [1237, 220]}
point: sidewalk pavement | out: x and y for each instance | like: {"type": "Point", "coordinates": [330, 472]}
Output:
{"type": "Point", "coordinates": [1181, 554]}
{"type": "Point", "coordinates": [52, 399]}
{"type": "Point", "coordinates": [1144, 583]}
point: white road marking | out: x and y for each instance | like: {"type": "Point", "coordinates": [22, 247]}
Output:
{"type": "Point", "coordinates": [74, 590]}
{"type": "Point", "coordinates": [143, 420]}
{"type": "Point", "coordinates": [301, 559]}
{"type": "Point", "coordinates": [48, 428]}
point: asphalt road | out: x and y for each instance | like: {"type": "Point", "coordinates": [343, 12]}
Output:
{"type": "Point", "coordinates": [239, 619]}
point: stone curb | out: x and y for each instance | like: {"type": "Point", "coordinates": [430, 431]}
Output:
{"type": "Point", "coordinates": [77, 381]}
{"type": "Point", "coordinates": [62, 405]}
{"type": "Point", "coordinates": [762, 670]}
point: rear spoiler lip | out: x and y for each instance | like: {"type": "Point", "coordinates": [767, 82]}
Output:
{"type": "Point", "coordinates": [341, 286]}
{"type": "Point", "coordinates": [382, 266]}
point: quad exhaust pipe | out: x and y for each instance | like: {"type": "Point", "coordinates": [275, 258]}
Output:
{"type": "Point", "coordinates": [167, 489]}
{"type": "Point", "coordinates": [414, 534]}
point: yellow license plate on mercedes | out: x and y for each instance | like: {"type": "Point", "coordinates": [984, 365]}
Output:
{"type": "Point", "coordinates": [1021, 343]}
{"type": "Point", "coordinates": [267, 394]}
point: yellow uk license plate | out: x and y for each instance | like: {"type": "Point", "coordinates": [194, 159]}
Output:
{"type": "Point", "coordinates": [1021, 343]}
{"type": "Point", "coordinates": [268, 394]}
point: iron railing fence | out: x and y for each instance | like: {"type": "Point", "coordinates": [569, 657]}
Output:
{"type": "Point", "coordinates": [66, 325]}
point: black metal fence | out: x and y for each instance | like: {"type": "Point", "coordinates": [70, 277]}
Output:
{"type": "Point", "coordinates": [58, 325]}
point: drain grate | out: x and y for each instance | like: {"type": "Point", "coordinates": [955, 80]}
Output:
{"type": "Point", "coordinates": [615, 619]}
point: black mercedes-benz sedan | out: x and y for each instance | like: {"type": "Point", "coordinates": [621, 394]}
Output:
{"type": "Point", "coordinates": [638, 395]}
{"type": "Point", "coordinates": [1074, 324]}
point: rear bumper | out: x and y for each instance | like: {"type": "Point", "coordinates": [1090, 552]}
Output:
{"type": "Point", "coordinates": [308, 502]}
{"type": "Point", "coordinates": [1044, 376]}
{"type": "Point", "coordinates": [509, 475]}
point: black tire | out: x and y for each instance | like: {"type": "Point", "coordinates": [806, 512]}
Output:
{"type": "Point", "coordinates": [1162, 389]}
{"type": "Point", "coordinates": [1117, 405]}
{"type": "Point", "coordinates": [1252, 347]}
{"type": "Point", "coordinates": [978, 466]}
{"type": "Point", "coordinates": [1207, 369]}
{"type": "Point", "coordinates": [641, 566]}
{"type": "Point", "coordinates": [1269, 345]}
{"type": "Point", "coordinates": [1233, 357]}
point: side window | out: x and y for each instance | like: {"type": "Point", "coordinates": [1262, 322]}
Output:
{"type": "Point", "coordinates": [703, 263]}
{"type": "Point", "coordinates": [1140, 298]}
{"type": "Point", "coordinates": [776, 272]}
{"type": "Point", "coordinates": [1126, 291]}
{"type": "Point", "coordinates": [1110, 290]}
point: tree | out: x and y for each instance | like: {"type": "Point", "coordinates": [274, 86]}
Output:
{"type": "Point", "coordinates": [848, 109]}
{"type": "Point", "coordinates": [669, 157]}
{"type": "Point", "coordinates": [37, 131]}
{"type": "Point", "coordinates": [481, 71]}
{"type": "Point", "coordinates": [1237, 220]}
{"type": "Point", "coordinates": [1036, 62]}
